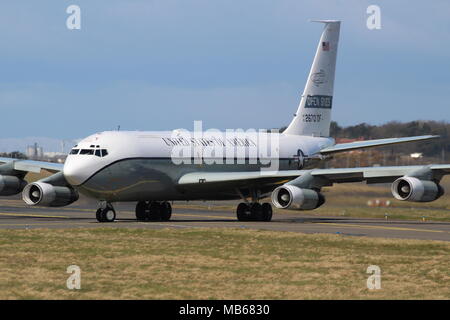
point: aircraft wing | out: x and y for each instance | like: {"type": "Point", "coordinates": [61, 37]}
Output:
{"type": "Point", "coordinates": [341, 147]}
{"type": "Point", "coordinates": [31, 165]}
{"type": "Point", "coordinates": [340, 175]}
{"type": "Point", "coordinates": [221, 177]}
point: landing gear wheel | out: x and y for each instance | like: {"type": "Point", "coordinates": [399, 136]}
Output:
{"type": "Point", "coordinates": [243, 212]}
{"type": "Point", "coordinates": [108, 215]}
{"type": "Point", "coordinates": [154, 213]}
{"type": "Point", "coordinates": [266, 212]}
{"type": "Point", "coordinates": [98, 215]}
{"type": "Point", "coordinates": [142, 210]}
{"type": "Point", "coordinates": [151, 211]}
{"type": "Point", "coordinates": [256, 213]}
{"type": "Point", "coordinates": [105, 214]}
{"type": "Point", "coordinates": [165, 211]}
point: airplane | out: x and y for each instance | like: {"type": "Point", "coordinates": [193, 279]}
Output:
{"type": "Point", "coordinates": [154, 169]}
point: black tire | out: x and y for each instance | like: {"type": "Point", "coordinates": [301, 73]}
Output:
{"type": "Point", "coordinates": [166, 211]}
{"type": "Point", "coordinates": [142, 209]}
{"type": "Point", "coordinates": [154, 213]}
{"type": "Point", "coordinates": [256, 213]}
{"type": "Point", "coordinates": [242, 212]}
{"type": "Point", "coordinates": [108, 215]}
{"type": "Point", "coordinates": [98, 215]}
{"type": "Point", "coordinates": [267, 211]}
{"type": "Point", "coordinates": [105, 215]}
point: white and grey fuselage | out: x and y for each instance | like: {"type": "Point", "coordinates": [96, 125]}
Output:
{"type": "Point", "coordinates": [136, 165]}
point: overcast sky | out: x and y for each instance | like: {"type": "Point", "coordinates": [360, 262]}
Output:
{"type": "Point", "coordinates": [160, 65]}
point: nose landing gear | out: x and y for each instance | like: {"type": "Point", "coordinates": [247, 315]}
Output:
{"type": "Point", "coordinates": [105, 212]}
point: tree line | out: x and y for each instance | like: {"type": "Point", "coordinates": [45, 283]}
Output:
{"type": "Point", "coordinates": [394, 129]}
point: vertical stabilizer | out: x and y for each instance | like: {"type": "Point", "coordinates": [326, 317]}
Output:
{"type": "Point", "coordinates": [313, 116]}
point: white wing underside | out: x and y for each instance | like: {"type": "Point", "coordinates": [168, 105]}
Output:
{"type": "Point", "coordinates": [368, 174]}
{"type": "Point", "coordinates": [32, 165]}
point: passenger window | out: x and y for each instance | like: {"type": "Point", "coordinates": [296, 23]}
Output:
{"type": "Point", "coordinates": [74, 151]}
{"type": "Point", "coordinates": [104, 152]}
{"type": "Point", "coordinates": [87, 151]}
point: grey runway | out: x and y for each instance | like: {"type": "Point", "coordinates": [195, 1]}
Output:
{"type": "Point", "coordinates": [14, 214]}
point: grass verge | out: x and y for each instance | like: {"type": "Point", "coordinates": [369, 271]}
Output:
{"type": "Point", "coordinates": [217, 264]}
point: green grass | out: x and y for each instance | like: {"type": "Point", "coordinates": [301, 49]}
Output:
{"type": "Point", "coordinates": [217, 264]}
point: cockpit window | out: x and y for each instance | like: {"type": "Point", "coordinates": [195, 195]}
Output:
{"type": "Point", "coordinates": [94, 151]}
{"type": "Point", "coordinates": [87, 151]}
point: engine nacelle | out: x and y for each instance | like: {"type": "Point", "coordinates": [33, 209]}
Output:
{"type": "Point", "coordinates": [292, 197]}
{"type": "Point", "coordinates": [413, 189]}
{"type": "Point", "coordinates": [45, 194]}
{"type": "Point", "coordinates": [10, 185]}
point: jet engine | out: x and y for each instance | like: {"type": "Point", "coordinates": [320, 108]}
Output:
{"type": "Point", "coordinates": [45, 194]}
{"type": "Point", "coordinates": [292, 197]}
{"type": "Point", "coordinates": [10, 185]}
{"type": "Point", "coordinates": [413, 189]}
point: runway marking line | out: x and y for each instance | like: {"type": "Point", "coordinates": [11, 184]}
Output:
{"type": "Point", "coordinates": [30, 215]}
{"type": "Point", "coordinates": [379, 227]}
{"type": "Point", "coordinates": [341, 225]}
{"type": "Point", "coordinates": [65, 209]}
{"type": "Point", "coordinates": [132, 212]}
{"type": "Point", "coordinates": [202, 215]}
{"type": "Point", "coordinates": [43, 224]}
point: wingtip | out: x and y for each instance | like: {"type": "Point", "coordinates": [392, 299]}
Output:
{"type": "Point", "coordinates": [324, 21]}
{"type": "Point", "coordinates": [432, 136]}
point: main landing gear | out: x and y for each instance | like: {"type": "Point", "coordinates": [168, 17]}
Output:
{"type": "Point", "coordinates": [153, 211]}
{"type": "Point", "coordinates": [145, 211]}
{"type": "Point", "coordinates": [105, 212]}
{"type": "Point", "coordinates": [162, 211]}
{"type": "Point", "coordinates": [254, 211]}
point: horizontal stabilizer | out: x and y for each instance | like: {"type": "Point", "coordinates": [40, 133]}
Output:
{"type": "Point", "coordinates": [342, 147]}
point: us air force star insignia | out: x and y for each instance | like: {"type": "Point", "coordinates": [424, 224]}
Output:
{"type": "Point", "coordinates": [299, 158]}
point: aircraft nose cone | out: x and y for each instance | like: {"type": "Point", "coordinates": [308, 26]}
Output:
{"type": "Point", "coordinates": [73, 172]}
